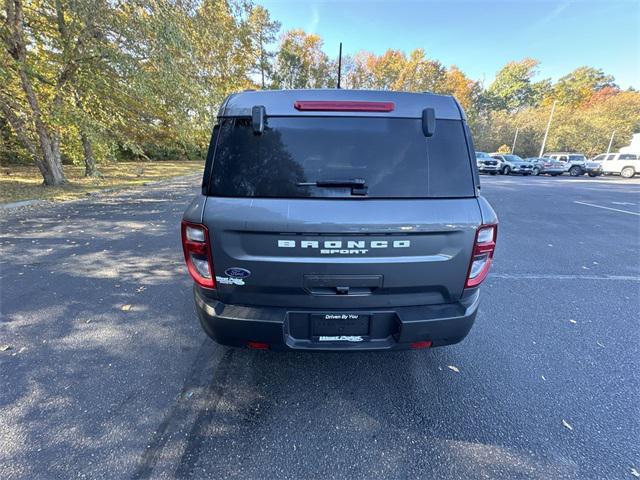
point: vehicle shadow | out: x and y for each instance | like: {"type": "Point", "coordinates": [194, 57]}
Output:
{"type": "Point", "coordinates": [365, 415]}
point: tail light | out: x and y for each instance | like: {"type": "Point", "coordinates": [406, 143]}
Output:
{"type": "Point", "coordinates": [421, 344]}
{"type": "Point", "coordinates": [483, 248]}
{"type": "Point", "coordinates": [197, 253]}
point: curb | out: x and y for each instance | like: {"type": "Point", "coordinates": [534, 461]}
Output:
{"type": "Point", "coordinates": [96, 193]}
{"type": "Point", "coordinates": [23, 203]}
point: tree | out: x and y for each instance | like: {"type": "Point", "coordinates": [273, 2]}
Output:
{"type": "Point", "coordinates": [420, 74]}
{"type": "Point", "coordinates": [579, 85]}
{"type": "Point", "coordinates": [462, 87]}
{"type": "Point", "coordinates": [301, 63]}
{"type": "Point", "coordinates": [20, 60]}
{"type": "Point", "coordinates": [46, 50]}
{"type": "Point", "coordinates": [263, 32]}
{"type": "Point", "coordinates": [513, 87]}
{"type": "Point", "coordinates": [386, 69]}
{"type": "Point", "coordinates": [356, 72]}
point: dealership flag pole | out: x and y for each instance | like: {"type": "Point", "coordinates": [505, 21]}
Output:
{"type": "Point", "coordinates": [546, 132]}
{"type": "Point", "coordinates": [611, 141]}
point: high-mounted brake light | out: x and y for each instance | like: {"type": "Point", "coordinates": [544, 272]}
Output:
{"type": "Point", "coordinates": [197, 253]}
{"type": "Point", "coordinates": [483, 248]}
{"type": "Point", "coordinates": [343, 106]}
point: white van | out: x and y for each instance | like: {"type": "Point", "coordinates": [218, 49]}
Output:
{"type": "Point", "coordinates": [624, 164]}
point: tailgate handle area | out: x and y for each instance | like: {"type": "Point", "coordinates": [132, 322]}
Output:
{"type": "Point", "coordinates": [342, 284]}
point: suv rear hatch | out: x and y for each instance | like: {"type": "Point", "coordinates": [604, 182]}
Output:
{"type": "Point", "coordinates": [340, 212]}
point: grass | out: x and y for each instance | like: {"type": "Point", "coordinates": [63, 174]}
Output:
{"type": "Point", "coordinates": [18, 182]}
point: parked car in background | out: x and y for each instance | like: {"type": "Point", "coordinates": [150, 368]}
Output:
{"type": "Point", "coordinates": [538, 164]}
{"type": "Point", "coordinates": [593, 168]}
{"type": "Point", "coordinates": [513, 164]}
{"type": "Point", "coordinates": [574, 162]}
{"type": "Point", "coordinates": [542, 165]}
{"type": "Point", "coordinates": [600, 158]}
{"type": "Point", "coordinates": [487, 164]}
{"type": "Point", "coordinates": [626, 165]}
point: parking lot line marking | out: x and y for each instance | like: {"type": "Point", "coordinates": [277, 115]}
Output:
{"type": "Point", "coordinates": [536, 276]}
{"type": "Point", "coordinates": [608, 208]}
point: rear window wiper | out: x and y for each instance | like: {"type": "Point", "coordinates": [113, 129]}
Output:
{"type": "Point", "coordinates": [358, 185]}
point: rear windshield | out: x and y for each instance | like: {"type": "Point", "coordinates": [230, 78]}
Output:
{"type": "Point", "coordinates": [391, 155]}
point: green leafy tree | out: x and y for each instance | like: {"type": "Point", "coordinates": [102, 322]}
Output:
{"type": "Point", "coordinates": [301, 63]}
{"type": "Point", "coordinates": [263, 33]}
{"type": "Point", "coordinates": [513, 87]}
{"type": "Point", "coordinates": [579, 85]}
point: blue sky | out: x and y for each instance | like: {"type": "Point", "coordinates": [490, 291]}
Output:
{"type": "Point", "coordinates": [478, 36]}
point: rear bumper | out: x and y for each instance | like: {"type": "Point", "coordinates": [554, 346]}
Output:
{"type": "Point", "coordinates": [288, 328]}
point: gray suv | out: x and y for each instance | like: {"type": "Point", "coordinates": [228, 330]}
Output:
{"type": "Point", "coordinates": [339, 220]}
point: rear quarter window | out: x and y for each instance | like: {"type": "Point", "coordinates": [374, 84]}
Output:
{"type": "Point", "coordinates": [391, 154]}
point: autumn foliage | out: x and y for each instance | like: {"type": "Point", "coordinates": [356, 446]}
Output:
{"type": "Point", "coordinates": [100, 80]}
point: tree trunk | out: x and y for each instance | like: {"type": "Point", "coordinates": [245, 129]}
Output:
{"type": "Point", "coordinates": [261, 60]}
{"type": "Point", "coordinates": [49, 162]}
{"type": "Point", "coordinates": [90, 169]}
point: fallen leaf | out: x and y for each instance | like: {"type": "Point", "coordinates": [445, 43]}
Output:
{"type": "Point", "coordinates": [572, 321]}
{"type": "Point", "coordinates": [635, 472]}
{"type": "Point", "coordinates": [126, 308]}
{"type": "Point", "coordinates": [455, 369]}
{"type": "Point", "coordinates": [4, 348]}
{"type": "Point", "coordinates": [141, 289]}
{"type": "Point", "coordinates": [566, 424]}
{"type": "Point", "coordinates": [543, 378]}
{"type": "Point", "coordinates": [599, 344]}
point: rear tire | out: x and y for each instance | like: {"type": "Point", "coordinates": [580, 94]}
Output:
{"type": "Point", "coordinates": [575, 171]}
{"type": "Point", "coordinates": [593, 175]}
{"type": "Point", "coordinates": [506, 170]}
{"type": "Point", "coordinates": [627, 172]}
{"type": "Point", "coordinates": [536, 171]}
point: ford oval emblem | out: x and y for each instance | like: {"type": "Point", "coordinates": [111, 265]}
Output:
{"type": "Point", "coordinates": [236, 272]}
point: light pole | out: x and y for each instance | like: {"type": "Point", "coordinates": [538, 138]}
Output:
{"type": "Point", "coordinates": [611, 141]}
{"type": "Point", "coordinates": [546, 132]}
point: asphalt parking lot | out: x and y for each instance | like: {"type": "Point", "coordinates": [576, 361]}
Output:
{"type": "Point", "coordinates": [106, 373]}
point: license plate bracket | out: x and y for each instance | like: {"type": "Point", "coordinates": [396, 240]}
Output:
{"type": "Point", "coordinates": [339, 324]}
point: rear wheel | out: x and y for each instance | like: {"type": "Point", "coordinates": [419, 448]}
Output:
{"type": "Point", "coordinates": [506, 170]}
{"type": "Point", "coordinates": [536, 171]}
{"type": "Point", "coordinates": [591, 174]}
{"type": "Point", "coordinates": [575, 171]}
{"type": "Point", "coordinates": [627, 172]}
